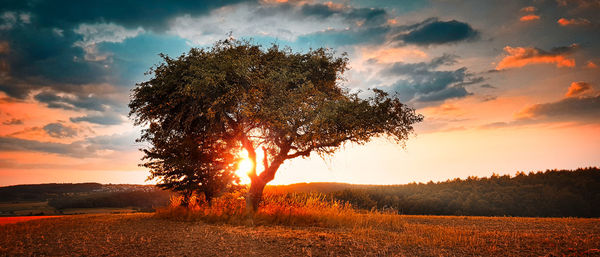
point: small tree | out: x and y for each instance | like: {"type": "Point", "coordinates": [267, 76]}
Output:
{"type": "Point", "coordinates": [287, 104]}
{"type": "Point", "coordinates": [193, 164]}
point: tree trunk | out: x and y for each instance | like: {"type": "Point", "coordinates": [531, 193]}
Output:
{"type": "Point", "coordinates": [254, 196]}
{"type": "Point", "coordinates": [258, 182]}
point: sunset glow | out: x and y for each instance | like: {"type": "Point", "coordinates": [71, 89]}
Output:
{"type": "Point", "coordinates": [503, 86]}
{"type": "Point", "coordinates": [244, 168]}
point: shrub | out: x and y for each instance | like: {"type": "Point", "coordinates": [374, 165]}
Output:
{"type": "Point", "coordinates": [289, 209]}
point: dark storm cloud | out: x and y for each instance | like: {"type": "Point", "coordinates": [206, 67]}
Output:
{"type": "Point", "coordinates": [59, 130]}
{"type": "Point", "coordinates": [41, 49]}
{"type": "Point", "coordinates": [422, 82]}
{"type": "Point", "coordinates": [38, 57]}
{"type": "Point", "coordinates": [148, 14]}
{"type": "Point", "coordinates": [70, 102]}
{"type": "Point", "coordinates": [429, 32]}
{"type": "Point", "coordinates": [435, 32]}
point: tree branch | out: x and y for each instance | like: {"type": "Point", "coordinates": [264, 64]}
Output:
{"type": "Point", "coordinates": [307, 152]}
{"type": "Point", "coordinates": [265, 158]}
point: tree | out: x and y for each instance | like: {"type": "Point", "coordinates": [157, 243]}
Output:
{"type": "Point", "coordinates": [191, 163]}
{"type": "Point", "coordinates": [288, 104]}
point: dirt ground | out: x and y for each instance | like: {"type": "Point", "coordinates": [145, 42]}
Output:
{"type": "Point", "coordinates": [145, 235]}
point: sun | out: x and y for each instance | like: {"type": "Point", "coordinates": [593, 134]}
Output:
{"type": "Point", "coordinates": [245, 166]}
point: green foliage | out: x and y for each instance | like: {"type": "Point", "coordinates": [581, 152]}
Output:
{"type": "Point", "coordinates": [552, 193]}
{"type": "Point", "coordinates": [203, 107]}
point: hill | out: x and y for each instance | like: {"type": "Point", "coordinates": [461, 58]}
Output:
{"type": "Point", "coordinates": [551, 193]}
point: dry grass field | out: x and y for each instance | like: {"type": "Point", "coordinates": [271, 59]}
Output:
{"type": "Point", "coordinates": [149, 235]}
{"type": "Point", "coordinates": [296, 225]}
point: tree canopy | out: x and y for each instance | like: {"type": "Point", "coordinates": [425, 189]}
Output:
{"type": "Point", "coordinates": [205, 106]}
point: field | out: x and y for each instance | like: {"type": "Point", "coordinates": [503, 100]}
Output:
{"type": "Point", "coordinates": [42, 208]}
{"type": "Point", "coordinates": [147, 235]}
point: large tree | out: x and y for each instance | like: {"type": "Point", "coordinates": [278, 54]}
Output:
{"type": "Point", "coordinates": [284, 103]}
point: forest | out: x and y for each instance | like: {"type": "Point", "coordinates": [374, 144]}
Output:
{"type": "Point", "coordinates": [553, 193]}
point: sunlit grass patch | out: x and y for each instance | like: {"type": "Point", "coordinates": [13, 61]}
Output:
{"type": "Point", "coordinates": [289, 209]}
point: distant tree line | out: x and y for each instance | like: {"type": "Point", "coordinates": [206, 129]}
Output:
{"type": "Point", "coordinates": [42, 192]}
{"type": "Point", "coordinates": [141, 200]}
{"type": "Point", "coordinates": [553, 193]}
{"type": "Point", "coordinates": [88, 195]}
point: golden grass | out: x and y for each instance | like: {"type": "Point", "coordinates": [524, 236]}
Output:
{"type": "Point", "coordinates": [290, 209]}
{"type": "Point", "coordinates": [297, 225]}
{"type": "Point", "coordinates": [145, 235]}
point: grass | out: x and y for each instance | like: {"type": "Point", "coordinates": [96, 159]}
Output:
{"type": "Point", "coordinates": [145, 234]}
{"type": "Point", "coordinates": [42, 208]}
{"type": "Point", "coordinates": [289, 209]}
{"type": "Point", "coordinates": [26, 208]}
{"type": "Point", "coordinates": [296, 225]}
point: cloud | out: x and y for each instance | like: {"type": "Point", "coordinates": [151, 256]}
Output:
{"type": "Point", "coordinates": [528, 9]}
{"type": "Point", "coordinates": [363, 16]}
{"type": "Point", "coordinates": [153, 15]}
{"type": "Point", "coordinates": [94, 34]}
{"type": "Point", "coordinates": [70, 101]}
{"type": "Point", "coordinates": [89, 147]}
{"type": "Point", "coordinates": [9, 19]}
{"type": "Point", "coordinates": [13, 121]}
{"type": "Point", "coordinates": [573, 22]}
{"type": "Point", "coordinates": [105, 118]}
{"type": "Point", "coordinates": [583, 109]}
{"type": "Point", "coordinates": [579, 105]}
{"type": "Point", "coordinates": [581, 4]}
{"type": "Point", "coordinates": [359, 36]}
{"type": "Point", "coordinates": [529, 17]}
{"type": "Point", "coordinates": [521, 56]}
{"type": "Point", "coordinates": [422, 82]}
{"type": "Point", "coordinates": [578, 88]}
{"type": "Point", "coordinates": [59, 130]}
{"type": "Point", "coordinates": [40, 58]}
{"type": "Point", "coordinates": [76, 149]}
{"type": "Point", "coordinates": [435, 32]}
{"type": "Point", "coordinates": [284, 21]}
{"type": "Point", "coordinates": [488, 98]}
{"type": "Point", "coordinates": [4, 47]}
{"type": "Point", "coordinates": [488, 86]}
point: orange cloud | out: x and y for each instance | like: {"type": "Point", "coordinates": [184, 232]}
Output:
{"type": "Point", "coordinates": [578, 88]}
{"type": "Point", "coordinates": [4, 47]}
{"type": "Point", "coordinates": [390, 55]}
{"type": "Point", "coordinates": [520, 56]}
{"type": "Point", "coordinates": [573, 22]}
{"type": "Point", "coordinates": [530, 17]}
{"type": "Point", "coordinates": [528, 9]}
{"type": "Point", "coordinates": [591, 65]}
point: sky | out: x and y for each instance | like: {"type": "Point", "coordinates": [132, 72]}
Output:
{"type": "Point", "coordinates": [504, 86]}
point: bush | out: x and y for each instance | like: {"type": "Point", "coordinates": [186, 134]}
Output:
{"type": "Point", "coordinates": [291, 209]}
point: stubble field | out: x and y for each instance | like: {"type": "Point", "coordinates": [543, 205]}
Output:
{"type": "Point", "coordinates": [147, 235]}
